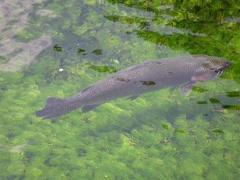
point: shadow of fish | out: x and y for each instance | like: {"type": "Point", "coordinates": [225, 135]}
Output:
{"type": "Point", "coordinates": [138, 79]}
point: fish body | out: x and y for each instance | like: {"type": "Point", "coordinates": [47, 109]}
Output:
{"type": "Point", "coordinates": [131, 82]}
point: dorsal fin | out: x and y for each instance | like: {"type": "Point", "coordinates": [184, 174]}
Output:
{"type": "Point", "coordinates": [84, 90]}
{"type": "Point", "coordinates": [89, 107]}
{"type": "Point", "coordinates": [53, 101]}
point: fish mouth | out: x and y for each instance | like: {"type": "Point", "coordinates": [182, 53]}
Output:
{"type": "Point", "coordinates": [219, 71]}
{"type": "Point", "coordinates": [226, 64]}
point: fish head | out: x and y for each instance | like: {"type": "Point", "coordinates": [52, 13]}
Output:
{"type": "Point", "coordinates": [216, 64]}
{"type": "Point", "coordinates": [210, 68]}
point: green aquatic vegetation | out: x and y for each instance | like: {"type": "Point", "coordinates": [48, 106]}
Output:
{"type": "Point", "coordinates": [27, 35]}
{"type": "Point", "coordinates": [214, 101]}
{"type": "Point", "coordinates": [199, 89]}
{"type": "Point", "coordinates": [231, 107]}
{"type": "Point", "coordinates": [233, 94]}
{"type": "Point", "coordinates": [219, 131]}
{"type": "Point", "coordinates": [125, 19]}
{"type": "Point", "coordinates": [3, 59]}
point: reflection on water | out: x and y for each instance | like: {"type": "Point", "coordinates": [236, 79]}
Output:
{"type": "Point", "coordinates": [57, 48]}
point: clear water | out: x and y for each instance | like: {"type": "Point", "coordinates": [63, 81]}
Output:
{"type": "Point", "coordinates": [56, 48]}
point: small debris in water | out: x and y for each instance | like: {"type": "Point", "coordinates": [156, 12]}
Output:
{"type": "Point", "coordinates": [214, 101]}
{"type": "Point", "coordinates": [97, 52]}
{"type": "Point", "coordinates": [219, 131]}
{"type": "Point", "coordinates": [57, 48]}
{"type": "Point", "coordinates": [46, 13]}
{"type": "Point", "coordinates": [81, 51]}
{"type": "Point", "coordinates": [116, 61]}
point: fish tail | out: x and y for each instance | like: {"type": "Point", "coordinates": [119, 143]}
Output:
{"type": "Point", "coordinates": [54, 108]}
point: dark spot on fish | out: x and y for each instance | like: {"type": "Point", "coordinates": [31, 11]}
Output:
{"type": "Point", "coordinates": [202, 102]}
{"type": "Point", "coordinates": [57, 48]}
{"type": "Point", "coordinates": [170, 72]}
{"type": "Point", "coordinates": [158, 62]}
{"type": "Point", "coordinates": [122, 79]}
{"type": "Point", "coordinates": [97, 52]}
{"type": "Point", "coordinates": [81, 51]}
{"type": "Point", "coordinates": [214, 101]}
{"type": "Point", "coordinates": [148, 83]}
{"type": "Point", "coordinates": [233, 94]}
{"type": "Point", "coordinates": [218, 131]}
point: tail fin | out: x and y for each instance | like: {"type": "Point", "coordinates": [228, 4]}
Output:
{"type": "Point", "coordinates": [54, 107]}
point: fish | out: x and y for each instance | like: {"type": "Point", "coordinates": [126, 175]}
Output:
{"type": "Point", "coordinates": [151, 75]}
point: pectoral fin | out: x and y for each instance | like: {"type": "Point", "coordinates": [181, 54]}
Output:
{"type": "Point", "coordinates": [187, 88]}
{"type": "Point", "coordinates": [89, 107]}
{"type": "Point", "coordinates": [204, 76]}
{"type": "Point", "coordinates": [132, 97]}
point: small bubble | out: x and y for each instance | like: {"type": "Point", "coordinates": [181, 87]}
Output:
{"type": "Point", "coordinates": [116, 61]}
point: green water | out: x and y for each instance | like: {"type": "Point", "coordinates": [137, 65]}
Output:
{"type": "Point", "coordinates": [160, 135]}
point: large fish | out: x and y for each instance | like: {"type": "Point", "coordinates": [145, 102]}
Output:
{"type": "Point", "coordinates": [138, 79]}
